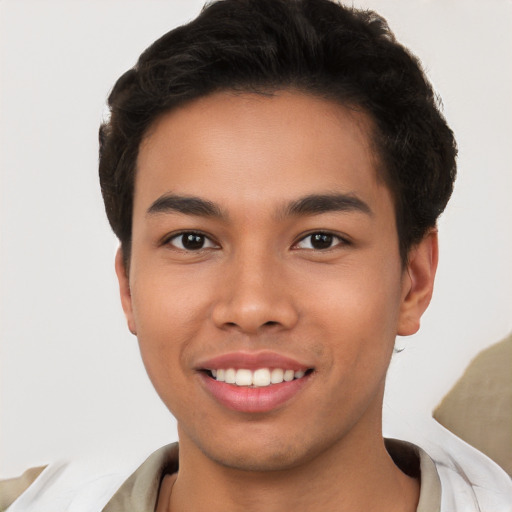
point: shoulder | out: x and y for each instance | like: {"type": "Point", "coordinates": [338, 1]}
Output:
{"type": "Point", "coordinates": [68, 486]}
{"type": "Point", "coordinates": [83, 485]}
{"type": "Point", "coordinates": [470, 481]}
{"type": "Point", "coordinates": [12, 488]}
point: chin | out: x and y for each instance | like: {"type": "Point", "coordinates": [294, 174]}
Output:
{"type": "Point", "coordinates": [265, 454]}
{"type": "Point", "coordinates": [262, 461]}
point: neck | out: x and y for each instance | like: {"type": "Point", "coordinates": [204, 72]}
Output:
{"type": "Point", "coordinates": [356, 474]}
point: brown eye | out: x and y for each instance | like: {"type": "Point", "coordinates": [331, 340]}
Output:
{"type": "Point", "coordinates": [320, 241]}
{"type": "Point", "coordinates": [190, 241]}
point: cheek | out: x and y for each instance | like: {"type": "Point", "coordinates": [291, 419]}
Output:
{"type": "Point", "coordinates": [365, 297]}
{"type": "Point", "coordinates": [168, 315]}
{"type": "Point", "coordinates": [168, 304]}
{"type": "Point", "coordinates": [357, 309]}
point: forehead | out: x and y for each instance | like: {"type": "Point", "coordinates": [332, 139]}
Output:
{"type": "Point", "coordinates": [256, 146]}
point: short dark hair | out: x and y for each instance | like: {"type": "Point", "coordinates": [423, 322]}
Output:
{"type": "Point", "coordinates": [316, 47]}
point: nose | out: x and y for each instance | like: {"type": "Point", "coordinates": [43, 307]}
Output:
{"type": "Point", "coordinates": [254, 297]}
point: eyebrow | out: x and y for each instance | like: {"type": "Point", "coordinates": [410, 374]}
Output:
{"type": "Point", "coordinates": [315, 204]}
{"type": "Point", "coordinates": [189, 205]}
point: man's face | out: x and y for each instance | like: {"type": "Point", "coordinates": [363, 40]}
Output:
{"type": "Point", "coordinates": [263, 241]}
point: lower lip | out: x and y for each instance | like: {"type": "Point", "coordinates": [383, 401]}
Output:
{"type": "Point", "coordinates": [254, 400]}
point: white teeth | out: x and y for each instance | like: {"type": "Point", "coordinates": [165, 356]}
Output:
{"type": "Point", "coordinates": [276, 377]}
{"type": "Point", "coordinates": [243, 378]}
{"type": "Point", "coordinates": [259, 378]}
{"type": "Point", "coordinates": [230, 376]}
{"type": "Point", "coordinates": [288, 375]}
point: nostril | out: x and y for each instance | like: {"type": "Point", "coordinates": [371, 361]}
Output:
{"type": "Point", "coordinates": [271, 323]}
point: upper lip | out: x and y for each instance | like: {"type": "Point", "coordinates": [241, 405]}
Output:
{"type": "Point", "coordinates": [252, 361]}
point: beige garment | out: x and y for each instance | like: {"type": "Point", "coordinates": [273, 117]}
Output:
{"type": "Point", "coordinates": [478, 408]}
{"type": "Point", "coordinates": [13, 487]}
{"type": "Point", "coordinates": [139, 493]}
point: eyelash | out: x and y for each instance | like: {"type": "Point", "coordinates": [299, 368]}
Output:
{"type": "Point", "coordinates": [341, 241]}
{"type": "Point", "coordinates": [206, 239]}
{"type": "Point", "coordinates": [321, 237]}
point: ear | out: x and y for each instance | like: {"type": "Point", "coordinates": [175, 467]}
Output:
{"type": "Point", "coordinates": [418, 283]}
{"type": "Point", "coordinates": [124, 290]}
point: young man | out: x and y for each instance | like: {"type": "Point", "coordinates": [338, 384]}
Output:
{"type": "Point", "coordinates": [274, 172]}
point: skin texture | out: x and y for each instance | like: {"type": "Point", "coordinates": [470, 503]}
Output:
{"type": "Point", "coordinates": [258, 284]}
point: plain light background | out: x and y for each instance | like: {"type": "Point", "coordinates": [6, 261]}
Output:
{"type": "Point", "coordinates": [71, 378]}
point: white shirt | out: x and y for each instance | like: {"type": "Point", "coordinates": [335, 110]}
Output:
{"type": "Point", "coordinates": [454, 478]}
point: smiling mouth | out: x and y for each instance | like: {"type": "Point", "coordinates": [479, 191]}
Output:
{"type": "Point", "coordinates": [261, 377]}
